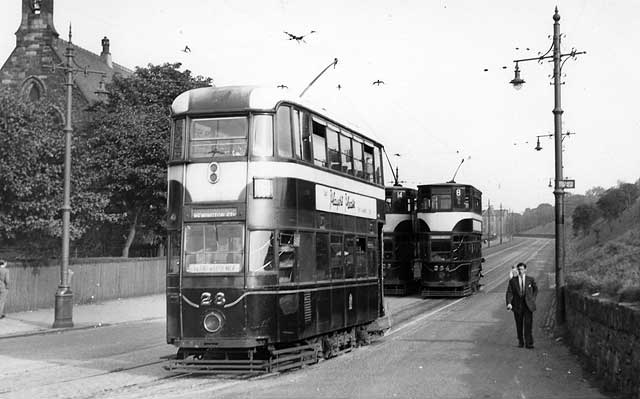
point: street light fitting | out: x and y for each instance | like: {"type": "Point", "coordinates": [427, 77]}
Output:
{"type": "Point", "coordinates": [538, 146]}
{"type": "Point", "coordinates": [517, 81]}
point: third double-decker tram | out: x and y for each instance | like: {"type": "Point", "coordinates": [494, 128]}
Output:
{"type": "Point", "coordinates": [399, 239]}
{"type": "Point", "coordinates": [449, 229]}
{"type": "Point", "coordinates": [275, 231]}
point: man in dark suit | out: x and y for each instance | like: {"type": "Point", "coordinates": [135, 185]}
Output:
{"type": "Point", "coordinates": [521, 299]}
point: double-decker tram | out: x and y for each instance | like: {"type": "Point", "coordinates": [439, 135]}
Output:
{"type": "Point", "coordinates": [448, 231]}
{"type": "Point", "coordinates": [399, 242]}
{"type": "Point", "coordinates": [275, 213]}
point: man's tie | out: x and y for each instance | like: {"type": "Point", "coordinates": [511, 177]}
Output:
{"type": "Point", "coordinates": [521, 286]}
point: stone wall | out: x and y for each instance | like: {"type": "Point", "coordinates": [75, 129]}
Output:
{"type": "Point", "coordinates": [608, 334]}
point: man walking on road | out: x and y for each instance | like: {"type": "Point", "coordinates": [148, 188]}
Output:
{"type": "Point", "coordinates": [4, 286]}
{"type": "Point", "coordinates": [521, 299]}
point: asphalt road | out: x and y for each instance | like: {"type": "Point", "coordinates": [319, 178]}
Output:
{"type": "Point", "coordinates": [463, 348]}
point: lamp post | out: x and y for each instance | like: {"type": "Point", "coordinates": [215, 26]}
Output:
{"type": "Point", "coordinates": [63, 307]}
{"type": "Point", "coordinates": [558, 191]}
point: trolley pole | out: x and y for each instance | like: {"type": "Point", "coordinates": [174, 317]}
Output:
{"type": "Point", "coordinates": [63, 305]}
{"type": "Point", "coordinates": [558, 191]}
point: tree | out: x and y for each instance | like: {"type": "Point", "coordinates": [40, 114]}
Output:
{"type": "Point", "coordinates": [31, 178]}
{"type": "Point", "coordinates": [583, 217]}
{"type": "Point", "coordinates": [129, 141]}
{"type": "Point", "coordinates": [631, 192]}
{"type": "Point", "coordinates": [612, 203]}
{"type": "Point", "coordinates": [594, 193]}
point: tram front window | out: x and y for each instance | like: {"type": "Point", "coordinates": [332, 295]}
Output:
{"type": "Point", "coordinates": [218, 137]}
{"type": "Point", "coordinates": [214, 248]}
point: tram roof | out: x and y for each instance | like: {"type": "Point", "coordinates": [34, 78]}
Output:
{"type": "Point", "coordinates": [229, 99]}
{"type": "Point", "coordinates": [447, 185]}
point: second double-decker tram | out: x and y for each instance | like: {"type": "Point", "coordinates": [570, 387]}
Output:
{"type": "Point", "coordinates": [275, 230]}
{"type": "Point", "coordinates": [448, 230]}
{"type": "Point", "coordinates": [399, 240]}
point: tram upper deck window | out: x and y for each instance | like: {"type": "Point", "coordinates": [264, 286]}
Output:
{"type": "Point", "coordinates": [319, 144]}
{"type": "Point", "coordinates": [461, 198]}
{"type": "Point", "coordinates": [347, 154]}
{"type": "Point", "coordinates": [441, 199]}
{"type": "Point", "coordinates": [333, 149]}
{"type": "Point", "coordinates": [368, 163]}
{"type": "Point", "coordinates": [305, 131]}
{"type": "Point", "coordinates": [177, 139]}
{"type": "Point", "coordinates": [262, 136]}
{"type": "Point", "coordinates": [214, 247]}
{"type": "Point", "coordinates": [377, 156]}
{"type": "Point", "coordinates": [358, 167]}
{"type": "Point", "coordinates": [283, 127]}
{"type": "Point", "coordinates": [218, 137]}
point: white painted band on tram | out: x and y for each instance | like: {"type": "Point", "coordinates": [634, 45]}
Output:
{"type": "Point", "coordinates": [446, 221]}
{"type": "Point", "coordinates": [269, 169]}
{"type": "Point", "coordinates": [228, 305]}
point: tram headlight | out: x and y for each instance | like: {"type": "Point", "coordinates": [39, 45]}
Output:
{"type": "Point", "coordinates": [214, 175]}
{"type": "Point", "coordinates": [213, 322]}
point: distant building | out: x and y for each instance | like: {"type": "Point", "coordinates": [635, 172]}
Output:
{"type": "Point", "coordinates": [39, 47]}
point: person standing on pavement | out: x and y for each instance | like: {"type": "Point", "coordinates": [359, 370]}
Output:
{"type": "Point", "coordinates": [522, 291]}
{"type": "Point", "coordinates": [4, 286]}
{"type": "Point", "coordinates": [513, 272]}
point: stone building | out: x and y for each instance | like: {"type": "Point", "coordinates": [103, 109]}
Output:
{"type": "Point", "coordinates": [30, 67]}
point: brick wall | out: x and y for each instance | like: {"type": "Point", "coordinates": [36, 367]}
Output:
{"type": "Point", "coordinates": [608, 334]}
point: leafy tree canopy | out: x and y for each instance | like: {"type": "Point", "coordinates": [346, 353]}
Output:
{"type": "Point", "coordinates": [129, 141]}
{"type": "Point", "coordinates": [31, 176]}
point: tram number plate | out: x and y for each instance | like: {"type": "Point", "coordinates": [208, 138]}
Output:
{"type": "Point", "coordinates": [213, 268]}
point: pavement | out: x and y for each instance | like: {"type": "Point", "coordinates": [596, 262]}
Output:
{"type": "Point", "coordinates": [124, 310]}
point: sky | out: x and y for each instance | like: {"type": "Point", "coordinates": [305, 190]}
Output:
{"type": "Point", "coordinates": [438, 106]}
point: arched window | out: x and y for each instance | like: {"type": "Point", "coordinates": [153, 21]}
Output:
{"type": "Point", "coordinates": [33, 89]}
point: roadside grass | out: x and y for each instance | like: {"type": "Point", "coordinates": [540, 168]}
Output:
{"type": "Point", "coordinates": [606, 261]}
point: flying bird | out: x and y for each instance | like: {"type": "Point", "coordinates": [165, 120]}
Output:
{"type": "Point", "coordinates": [339, 86]}
{"type": "Point", "coordinates": [283, 87]}
{"type": "Point", "coordinates": [298, 38]}
{"type": "Point", "coordinates": [378, 82]}
{"type": "Point", "coordinates": [186, 49]}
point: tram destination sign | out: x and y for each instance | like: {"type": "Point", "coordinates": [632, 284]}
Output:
{"type": "Point", "coordinates": [330, 199]}
{"type": "Point", "coordinates": [567, 183]}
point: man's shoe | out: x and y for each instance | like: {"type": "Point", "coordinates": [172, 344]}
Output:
{"type": "Point", "coordinates": [530, 346]}
{"type": "Point", "coordinates": [1, 316]}
{"type": "Point", "coordinates": [520, 345]}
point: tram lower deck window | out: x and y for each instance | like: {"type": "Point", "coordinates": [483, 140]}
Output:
{"type": "Point", "coordinates": [214, 247]}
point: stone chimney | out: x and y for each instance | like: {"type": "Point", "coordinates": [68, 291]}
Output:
{"type": "Point", "coordinates": [106, 55]}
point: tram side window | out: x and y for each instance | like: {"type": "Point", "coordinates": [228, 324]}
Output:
{"type": "Point", "coordinates": [283, 126]}
{"type": "Point", "coordinates": [372, 257]}
{"type": "Point", "coordinates": [347, 154]}
{"type": "Point", "coordinates": [305, 131]}
{"type": "Point", "coordinates": [368, 163]}
{"type": "Point", "coordinates": [333, 149]}
{"type": "Point", "coordinates": [361, 256]}
{"type": "Point", "coordinates": [173, 265]}
{"type": "Point", "coordinates": [262, 136]}
{"type": "Point", "coordinates": [357, 159]}
{"type": "Point", "coordinates": [306, 258]}
{"type": "Point", "coordinates": [319, 147]}
{"type": "Point", "coordinates": [349, 256]}
{"type": "Point", "coordinates": [377, 156]}
{"type": "Point", "coordinates": [177, 140]}
{"type": "Point", "coordinates": [287, 264]}
{"type": "Point", "coordinates": [295, 130]}
{"type": "Point", "coordinates": [388, 252]}
{"type": "Point", "coordinates": [322, 256]}
{"type": "Point", "coordinates": [261, 257]}
{"type": "Point", "coordinates": [337, 257]}
{"type": "Point", "coordinates": [477, 204]}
